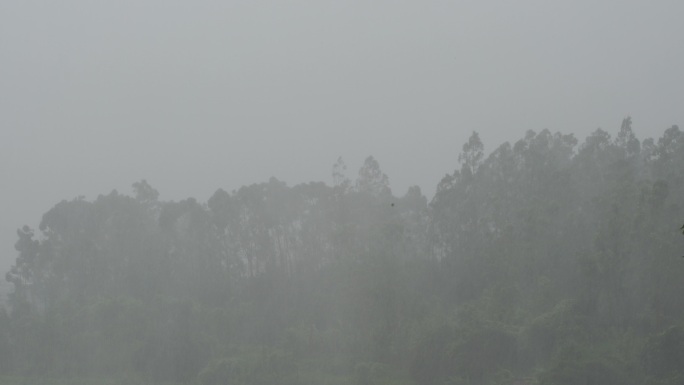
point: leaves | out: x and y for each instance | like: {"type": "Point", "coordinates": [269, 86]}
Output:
{"type": "Point", "coordinates": [544, 261]}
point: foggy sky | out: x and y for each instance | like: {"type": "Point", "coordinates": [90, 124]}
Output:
{"type": "Point", "coordinates": [197, 95]}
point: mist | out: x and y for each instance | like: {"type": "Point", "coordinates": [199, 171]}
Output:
{"type": "Point", "coordinates": [198, 96]}
{"type": "Point", "coordinates": [195, 98]}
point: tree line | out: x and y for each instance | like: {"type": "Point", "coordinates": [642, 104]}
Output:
{"type": "Point", "coordinates": [548, 261]}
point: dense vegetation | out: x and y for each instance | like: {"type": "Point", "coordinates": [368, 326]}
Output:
{"type": "Point", "coordinates": [547, 262]}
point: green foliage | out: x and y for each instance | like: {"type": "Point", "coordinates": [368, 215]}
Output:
{"type": "Point", "coordinates": [547, 262]}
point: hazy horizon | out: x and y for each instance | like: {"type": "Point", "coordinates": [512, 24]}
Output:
{"type": "Point", "coordinates": [196, 96]}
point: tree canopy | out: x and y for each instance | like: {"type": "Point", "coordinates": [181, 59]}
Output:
{"type": "Point", "coordinates": [549, 261]}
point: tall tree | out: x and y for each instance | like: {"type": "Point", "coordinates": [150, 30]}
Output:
{"type": "Point", "coordinates": [340, 180]}
{"type": "Point", "coordinates": [472, 155]}
{"type": "Point", "coordinates": [372, 180]}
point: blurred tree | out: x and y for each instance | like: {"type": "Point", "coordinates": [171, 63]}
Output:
{"type": "Point", "coordinates": [535, 261]}
{"type": "Point", "coordinates": [472, 155]}
{"type": "Point", "coordinates": [340, 180]}
{"type": "Point", "coordinates": [144, 192]}
{"type": "Point", "coordinates": [372, 180]}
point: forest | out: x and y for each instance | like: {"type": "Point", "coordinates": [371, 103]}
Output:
{"type": "Point", "coordinates": [547, 261]}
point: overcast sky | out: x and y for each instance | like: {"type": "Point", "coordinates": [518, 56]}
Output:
{"type": "Point", "coordinates": [197, 95]}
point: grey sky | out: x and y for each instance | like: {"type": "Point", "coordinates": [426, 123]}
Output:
{"type": "Point", "coordinates": [196, 95]}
